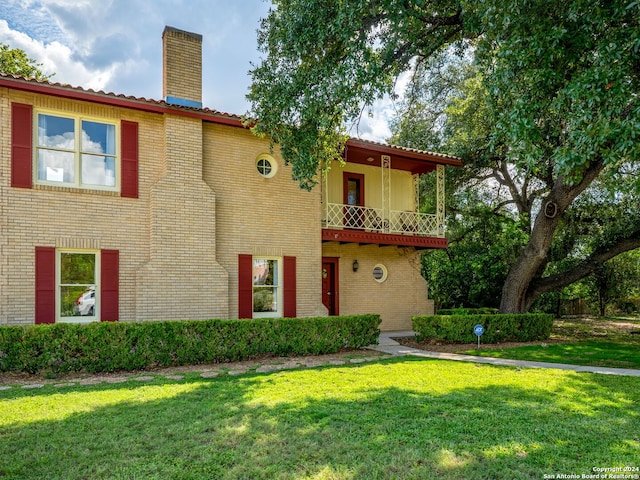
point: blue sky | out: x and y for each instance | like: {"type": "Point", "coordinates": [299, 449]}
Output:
{"type": "Point", "coordinates": [116, 46]}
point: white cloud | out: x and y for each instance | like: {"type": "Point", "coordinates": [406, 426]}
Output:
{"type": "Point", "coordinates": [56, 58]}
{"type": "Point", "coordinates": [116, 45]}
{"type": "Point", "coordinates": [374, 122]}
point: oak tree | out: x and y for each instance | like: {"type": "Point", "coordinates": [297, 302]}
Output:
{"type": "Point", "coordinates": [561, 81]}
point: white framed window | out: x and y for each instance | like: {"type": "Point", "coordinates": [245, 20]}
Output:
{"type": "Point", "coordinates": [77, 286]}
{"type": "Point", "coordinates": [267, 287]}
{"type": "Point", "coordinates": [266, 165]}
{"type": "Point", "coordinates": [76, 151]}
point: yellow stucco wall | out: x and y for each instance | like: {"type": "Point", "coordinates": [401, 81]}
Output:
{"type": "Point", "coordinates": [402, 193]}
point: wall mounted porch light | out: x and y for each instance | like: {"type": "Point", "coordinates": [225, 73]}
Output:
{"type": "Point", "coordinates": [356, 265]}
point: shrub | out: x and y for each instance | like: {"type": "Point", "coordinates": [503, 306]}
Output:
{"type": "Point", "coordinates": [113, 346]}
{"type": "Point", "coordinates": [498, 328]}
{"type": "Point", "coordinates": [468, 311]}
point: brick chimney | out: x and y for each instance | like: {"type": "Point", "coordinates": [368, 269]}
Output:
{"type": "Point", "coordinates": [182, 67]}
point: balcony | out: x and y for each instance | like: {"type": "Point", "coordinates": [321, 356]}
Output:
{"type": "Point", "coordinates": [367, 225]}
{"type": "Point", "coordinates": [374, 197]}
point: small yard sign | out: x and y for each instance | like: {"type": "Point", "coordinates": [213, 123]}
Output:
{"type": "Point", "coordinates": [478, 330]}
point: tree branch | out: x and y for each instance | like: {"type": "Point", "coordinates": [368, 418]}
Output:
{"type": "Point", "coordinates": [584, 269]}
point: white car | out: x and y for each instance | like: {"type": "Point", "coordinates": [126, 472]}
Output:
{"type": "Point", "coordinates": [85, 304]}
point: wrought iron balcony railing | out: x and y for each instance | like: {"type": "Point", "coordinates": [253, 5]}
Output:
{"type": "Point", "coordinates": [336, 215]}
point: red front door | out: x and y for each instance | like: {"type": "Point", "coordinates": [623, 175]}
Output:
{"type": "Point", "coordinates": [330, 284]}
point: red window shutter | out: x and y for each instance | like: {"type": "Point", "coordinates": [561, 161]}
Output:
{"type": "Point", "coordinates": [129, 159]}
{"type": "Point", "coordinates": [21, 145]}
{"type": "Point", "coordinates": [45, 285]}
{"type": "Point", "coordinates": [245, 286]}
{"type": "Point", "coordinates": [109, 285]}
{"type": "Point", "coordinates": [289, 287]}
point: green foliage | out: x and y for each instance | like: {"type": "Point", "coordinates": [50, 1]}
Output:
{"type": "Point", "coordinates": [498, 328]}
{"type": "Point", "coordinates": [615, 287]}
{"type": "Point", "coordinates": [325, 61]}
{"type": "Point", "coordinates": [471, 272]}
{"type": "Point", "coordinates": [508, 175]}
{"type": "Point", "coordinates": [565, 78]}
{"type": "Point", "coordinates": [110, 346]}
{"type": "Point", "coordinates": [561, 80]}
{"type": "Point", "coordinates": [468, 311]}
{"type": "Point", "coordinates": [16, 61]}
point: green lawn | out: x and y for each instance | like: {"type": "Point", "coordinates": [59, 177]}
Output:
{"type": "Point", "coordinates": [598, 342]}
{"type": "Point", "coordinates": [404, 418]}
{"type": "Point", "coordinates": [600, 354]}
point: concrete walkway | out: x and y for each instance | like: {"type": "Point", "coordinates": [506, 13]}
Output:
{"type": "Point", "coordinates": [387, 345]}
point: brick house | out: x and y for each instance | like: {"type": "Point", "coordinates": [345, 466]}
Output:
{"type": "Point", "coordinates": [117, 208]}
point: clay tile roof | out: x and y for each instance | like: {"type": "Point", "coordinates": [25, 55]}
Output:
{"type": "Point", "coordinates": [111, 95]}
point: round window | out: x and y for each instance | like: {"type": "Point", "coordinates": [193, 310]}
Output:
{"type": "Point", "coordinates": [266, 165]}
{"type": "Point", "coordinates": [380, 273]}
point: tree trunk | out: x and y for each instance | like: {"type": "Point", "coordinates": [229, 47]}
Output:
{"type": "Point", "coordinates": [516, 296]}
{"type": "Point", "coordinates": [530, 262]}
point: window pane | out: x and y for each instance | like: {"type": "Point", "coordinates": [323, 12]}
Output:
{"type": "Point", "coordinates": [265, 272]}
{"type": "Point", "coordinates": [57, 132]}
{"type": "Point", "coordinates": [98, 138]}
{"type": "Point", "coordinates": [56, 166]}
{"type": "Point", "coordinates": [77, 301]}
{"type": "Point", "coordinates": [353, 192]}
{"type": "Point", "coordinates": [264, 167]}
{"type": "Point", "coordinates": [78, 268]}
{"type": "Point", "coordinates": [265, 299]}
{"type": "Point", "coordinates": [99, 170]}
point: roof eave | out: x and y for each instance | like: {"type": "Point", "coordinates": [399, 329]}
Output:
{"type": "Point", "coordinates": [152, 106]}
{"type": "Point", "coordinates": [408, 153]}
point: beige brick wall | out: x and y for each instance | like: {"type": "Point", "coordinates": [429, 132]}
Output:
{"type": "Point", "coordinates": [401, 296]}
{"type": "Point", "coordinates": [182, 279]}
{"type": "Point", "coordinates": [262, 216]}
{"type": "Point", "coordinates": [179, 241]}
{"type": "Point", "coordinates": [71, 218]}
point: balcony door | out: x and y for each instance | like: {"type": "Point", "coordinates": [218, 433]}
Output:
{"type": "Point", "coordinates": [353, 199]}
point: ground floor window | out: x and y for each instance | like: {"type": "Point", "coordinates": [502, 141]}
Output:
{"type": "Point", "coordinates": [78, 292]}
{"type": "Point", "coordinates": [267, 287]}
{"type": "Point", "coordinates": [77, 286]}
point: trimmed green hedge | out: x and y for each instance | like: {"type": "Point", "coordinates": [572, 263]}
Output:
{"type": "Point", "coordinates": [113, 346]}
{"type": "Point", "coordinates": [498, 328]}
{"type": "Point", "coordinates": [467, 311]}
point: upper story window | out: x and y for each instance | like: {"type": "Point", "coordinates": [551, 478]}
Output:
{"type": "Point", "coordinates": [76, 152]}
{"type": "Point", "coordinates": [266, 165]}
